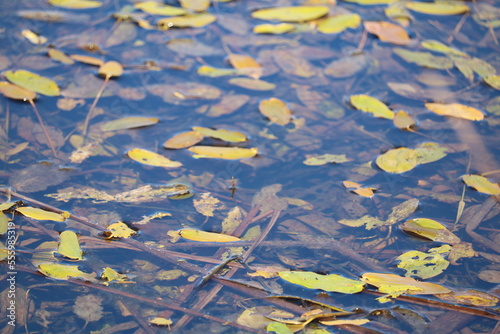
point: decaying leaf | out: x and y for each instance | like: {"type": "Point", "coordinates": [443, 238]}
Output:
{"type": "Point", "coordinates": [318, 160]}
{"type": "Point", "coordinates": [388, 32]}
{"type": "Point", "coordinates": [118, 230]}
{"type": "Point", "coordinates": [88, 307]}
{"type": "Point", "coordinates": [207, 204]}
{"type": "Point", "coordinates": [422, 265]}
{"type": "Point", "coordinates": [470, 297]}
{"type": "Point", "coordinates": [111, 275]}
{"type": "Point", "coordinates": [430, 229]}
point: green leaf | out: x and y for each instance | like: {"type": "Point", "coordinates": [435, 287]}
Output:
{"type": "Point", "coordinates": [291, 14]}
{"type": "Point", "coordinates": [333, 282]}
{"type": "Point", "coordinates": [33, 82]}
{"type": "Point", "coordinates": [398, 160]}
{"type": "Point", "coordinates": [278, 328]}
{"type": "Point", "coordinates": [371, 105]}
{"type": "Point", "coordinates": [422, 265]}
{"type": "Point", "coordinates": [425, 59]}
{"type": "Point", "coordinates": [429, 152]}
{"type": "Point", "coordinates": [64, 272]}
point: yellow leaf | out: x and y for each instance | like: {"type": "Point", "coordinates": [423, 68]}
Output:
{"type": "Point", "coordinates": [88, 60]}
{"type": "Point", "coordinates": [493, 81]}
{"type": "Point", "coordinates": [15, 92]}
{"type": "Point", "coordinates": [183, 140]}
{"type": "Point", "coordinates": [276, 110]}
{"type": "Point", "coordinates": [60, 56]}
{"type": "Point", "coordinates": [222, 134]}
{"type": "Point", "coordinates": [40, 214]}
{"type": "Point", "coordinates": [110, 275]}
{"type": "Point", "coordinates": [429, 152]}
{"type": "Point", "coordinates": [161, 321]}
{"type": "Point", "coordinates": [338, 23]}
{"type": "Point", "coordinates": [111, 69]}
{"type": "Point", "coordinates": [437, 46]}
{"type": "Point", "coordinates": [207, 204]}
{"type": "Point", "coordinates": [246, 65]}
{"type": "Point", "coordinates": [422, 265]}
{"type": "Point", "coordinates": [33, 38]}
{"type": "Point", "coordinates": [318, 160]}
{"type": "Point", "coordinates": [118, 230]}
{"type": "Point", "coordinates": [291, 14]}
{"type": "Point", "coordinates": [430, 229]}
{"type": "Point", "coordinates": [227, 153]}
{"type": "Point", "coordinates": [34, 82]}
{"type": "Point", "coordinates": [371, 2]}
{"type": "Point", "coordinates": [150, 158]}
{"type": "Point", "coordinates": [197, 235]}
{"type": "Point", "coordinates": [276, 29]}
{"type": "Point", "coordinates": [356, 322]}
{"type": "Point", "coordinates": [372, 105]}
{"type": "Point", "coordinates": [398, 160]}
{"type": "Point", "coordinates": [76, 4]}
{"type": "Point", "coordinates": [195, 5]}
{"type": "Point", "coordinates": [388, 32]}
{"type": "Point", "coordinates": [128, 123]}
{"type": "Point", "coordinates": [252, 84]}
{"type": "Point", "coordinates": [333, 282]}
{"type": "Point", "coordinates": [470, 297]}
{"type": "Point", "coordinates": [438, 8]}
{"type": "Point", "coordinates": [69, 246]}
{"type": "Point", "coordinates": [157, 8]}
{"type": "Point", "coordinates": [191, 21]}
{"type": "Point", "coordinates": [396, 285]}
{"type": "Point", "coordinates": [481, 184]}
{"type": "Point", "coordinates": [63, 272]}
{"type": "Point", "coordinates": [455, 110]}
{"type": "Point", "coordinates": [213, 72]}
{"type": "Point", "coordinates": [4, 223]}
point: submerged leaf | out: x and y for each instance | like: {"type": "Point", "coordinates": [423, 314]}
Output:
{"type": "Point", "coordinates": [207, 204]}
{"type": "Point", "coordinates": [470, 297]}
{"type": "Point", "coordinates": [425, 59]}
{"type": "Point", "coordinates": [276, 110]}
{"type": "Point", "coordinates": [252, 84]}
{"type": "Point", "coordinates": [151, 158]}
{"type": "Point", "coordinates": [437, 46]}
{"type": "Point", "coordinates": [191, 21]}
{"type": "Point", "coordinates": [291, 14]}
{"type": "Point", "coordinates": [318, 160]}
{"type": "Point", "coordinates": [129, 123]}
{"type": "Point", "coordinates": [227, 153]}
{"type": "Point", "coordinates": [33, 82]}
{"type": "Point", "coordinates": [333, 282]}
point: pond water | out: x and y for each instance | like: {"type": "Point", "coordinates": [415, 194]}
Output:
{"type": "Point", "coordinates": [334, 101]}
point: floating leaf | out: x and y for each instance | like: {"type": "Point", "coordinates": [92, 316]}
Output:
{"type": "Point", "coordinates": [403, 120]}
{"type": "Point", "coordinates": [188, 21]}
{"type": "Point", "coordinates": [481, 184]}
{"type": "Point", "coordinates": [213, 72]}
{"type": "Point", "coordinates": [195, 5]}
{"type": "Point", "coordinates": [33, 82]}
{"type": "Point", "coordinates": [183, 140]}
{"type": "Point", "coordinates": [338, 23]}
{"type": "Point", "coordinates": [207, 204]}
{"type": "Point", "coordinates": [422, 265]}
{"type": "Point", "coordinates": [395, 285]}
{"type": "Point", "coordinates": [318, 160]}
{"type": "Point", "coordinates": [110, 275]}
{"type": "Point", "coordinates": [276, 29]}
{"type": "Point", "coordinates": [291, 14]}
{"type": "Point", "coordinates": [425, 59]}
{"type": "Point", "coordinates": [333, 282]}
{"type": "Point", "coordinates": [493, 81]}
{"type": "Point", "coordinates": [227, 153]}
{"type": "Point", "coordinates": [439, 7]}
{"type": "Point", "coordinates": [278, 328]}
{"type": "Point", "coordinates": [356, 322]}
{"type": "Point", "coordinates": [246, 65]}
{"type": "Point", "coordinates": [456, 110]}
{"type": "Point", "coordinates": [197, 235]}
{"type": "Point", "coordinates": [33, 38]}
{"type": "Point", "coordinates": [372, 105]}
{"type": "Point", "coordinates": [111, 69]}
{"type": "Point", "coordinates": [88, 60]}
{"type": "Point", "coordinates": [430, 229]}
{"type": "Point", "coordinates": [76, 4]}
{"type": "Point", "coordinates": [222, 134]}
{"type": "Point", "coordinates": [252, 84]}
{"type": "Point", "coordinates": [437, 46]}
{"type": "Point", "coordinates": [157, 8]}
{"type": "Point", "coordinates": [470, 297]}
{"type": "Point", "coordinates": [429, 152]}
{"type": "Point", "coordinates": [118, 230]}
{"type": "Point", "coordinates": [4, 223]}
{"type": "Point", "coordinates": [398, 160]}
{"type": "Point", "coordinates": [60, 56]}
{"type": "Point", "coordinates": [15, 92]}
{"type": "Point", "coordinates": [161, 321]}
{"type": "Point", "coordinates": [63, 272]}
{"type": "Point", "coordinates": [371, 2]}
{"type": "Point", "coordinates": [128, 123]}
{"type": "Point", "coordinates": [40, 214]}
{"type": "Point", "coordinates": [358, 189]}
{"type": "Point", "coordinates": [151, 158]}
{"type": "Point", "coordinates": [276, 110]}
{"type": "Point", "coordinates": [69, 245]}
{"type": "Point", "coordinates": [387, 32]}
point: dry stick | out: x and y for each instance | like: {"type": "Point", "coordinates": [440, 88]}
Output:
{"type": "Point", "coordinates": [45, 132]}
{"type": "Point", "coordinates": [477, 218]}
{"type": "Point", "coordinates": [91, 110]}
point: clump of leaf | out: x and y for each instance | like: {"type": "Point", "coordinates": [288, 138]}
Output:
{"type": "Point", "coordinates": [88, 308]}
